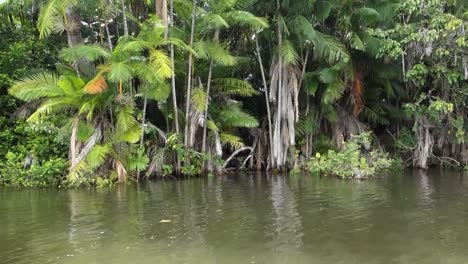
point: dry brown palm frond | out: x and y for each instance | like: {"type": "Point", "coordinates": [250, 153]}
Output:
{"type": "Point", "coordinates": [97, 85]}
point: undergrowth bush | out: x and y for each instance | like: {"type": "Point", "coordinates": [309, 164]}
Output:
{"type": "Point", "coordinates": [355, 160]}
{"type": "Point", "coordinates": [29, 154]}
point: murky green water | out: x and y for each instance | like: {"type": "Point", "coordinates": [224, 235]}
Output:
{"type": "Point", "coordinates": [413, 218]}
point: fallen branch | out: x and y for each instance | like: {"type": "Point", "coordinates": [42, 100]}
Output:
{"type": "Point", "coordinates": [236, 153]}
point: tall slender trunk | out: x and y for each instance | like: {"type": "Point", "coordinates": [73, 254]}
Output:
{"type": "Point", "coordinates": [267, 102]}
{"type": "Point", "coordinates": [277, 144]}
{"type": "Point", "coordinates": [73, 29]}
{"type": "Point", "coordinates": [189, 75]}
{"type": "Point", "coordinates": [124, 15]}
{"type": "Point", "coordinates": [109, 39]}
{"type": "Point", "coordinates": [143, 124]}
{"type": "Point", "coordinates": [208, 86]}
{"type": "Point", "coordinates": [73, 24]}
{"type": "Point", "coordinates": [73, 143]}
{"type": "Point", "coordinates": [161, 11]}
{"type": "Point", "coordinates": [173, 84]}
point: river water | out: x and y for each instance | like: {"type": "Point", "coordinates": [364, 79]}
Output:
{"type": "Point", "coordinates": [410, 217]}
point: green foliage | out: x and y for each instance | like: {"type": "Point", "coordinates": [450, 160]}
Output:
{"type": "Point", "coordinates": [26, 162]}
{"type": "Point", "coordinates": [353, 161]}
{"type": "Point", "coordinates": [14, 173]}
{"type": "Point", "coordinates": [394, 67]}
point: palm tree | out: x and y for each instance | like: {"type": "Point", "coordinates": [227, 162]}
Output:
{"type": "Point", "coordinates": [189, 74]}
{"type": "Point", "coordinates": [89, 101]}
{"type": "Point", "coordinates": [57, 16]}
{"type": "Point", "coordinates": [223, 15]}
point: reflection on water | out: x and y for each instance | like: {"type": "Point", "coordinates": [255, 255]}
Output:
{"type": "Point", "coordinates": [415, 217]}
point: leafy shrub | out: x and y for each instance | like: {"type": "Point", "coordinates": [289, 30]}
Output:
{"type": "Point", "coordinates": [29, 154]}
{"type": "Point", "coordinates": [15, 172]}
{"type": "Point", "coordinates": [354, 161]}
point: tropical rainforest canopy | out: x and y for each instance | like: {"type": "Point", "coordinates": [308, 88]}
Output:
{"type": "Point", "coordinates": [103, 91]}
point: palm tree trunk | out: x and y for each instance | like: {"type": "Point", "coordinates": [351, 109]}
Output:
{"type": "Point", "coordinates": [109, 39]}
{"type": "Point", "coordinates": [277, 136]}
{"type": "Point", "coordinates": [73, 23]}
{"type": "Point", "coordinates": [208, 86]}
{"type": "Point", "coordinates": [173, 84]}
{"type": "Point", "coordinates": [189, 75]}
{"type": "Point", "coordinates": [73, 146]}
{"type": "Point", "coordinates": [124, 14]}
{"type": "Point", "coordinates": [267, 102]}
{"type": "Point", "coordinates": [161, 11]}
{"type": "Point", "coordinates": [143, 124]}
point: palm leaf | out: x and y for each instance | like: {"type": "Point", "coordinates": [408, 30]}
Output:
{"type": "Point", "coordinates": [213, 50]}
{"type": "Point", "coordinates": [87, 52]}
{"type": "Point", "coordinates": [233, 86]}
{"type": "Point", "coordinates": [97, 85]}
{"type": "Point", "coordinates": [325, 46]}
{"type": "Point", "coordinates": [161, 63]}
{"type": "Point", "coordinates": [246, 19]}
{"type": "Point", "coordinates": [36, 86]}
{"type": "Point", "coordinates": [233, 116]}
{"type": "Point", "coordinates": [333, 92]}
{"type": "Point", "coordinates": [48, 15]}
{"type": "Point", "coordinates": [232, 140]}
{"type": "Point", "coordinates": [199, 99]}
{"type": "Point", "coordinates": [289, 53]}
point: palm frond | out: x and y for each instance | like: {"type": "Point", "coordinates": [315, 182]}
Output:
{"type": "Point", "coordinates": [124, 117]}
{"type": "Point", "coordinates": [96, 85]}
{"type": "Point", "coordinates": [212, 126]}
{"type": "Point", "coordinates": [53, 105]}
{"type": "Point", "coordinates": [161, 63]}
{"type": "Point", "coordinates": [215, 21]}
{"type": "Point", "coordinates": [233, 116]}
{"type": "Point", "coordinates": [213, 50]}
{"type": "Point", "coordinates": [159, 91]}
{"type": "Point", "coordinates": [289, 53]}
{"type": "Point", "coordinates": [48, 18]}
{"type": "Point", "coordinates": [133, 45]}
{"type": "Point", "coordinates": [97, 155]}
{"type": "Point", "coordinates": [120, 71]}
{"type": "Point", "coordinates": [36, 86]}
{"type": "Point", "coordinates": [233, 86]}
{"type": "Point", "coordinates": [246, 19]}
{"type": "Point", "coordinates": [130, 135]}
{"type": "Point", "coordinates": [333, 92]}
{"type": "Point", "coordinates": [306, 125]}
{"type": "Point", "coordinates": [83, 51]}
{"type": "Point", "coordinates": [325, 46]}
{"type": "Point", "coordinates": [232, 140]}
{"type": "Point", "coordinates": [199, 99]}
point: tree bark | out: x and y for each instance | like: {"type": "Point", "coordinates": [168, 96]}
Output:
{"type": "Point", "coordinates": [161, 11]}
{"type": "Point", "coordinates": [208, 86]}
{"type": "Point", "coordinates": [143, 124]}
{"type": "Point", "coordinates": [277, 143]}
{"type": "Point", "coordinates": [124, 15]}
{"type": "Point", "coordinates": [173, 84]}
{"type": "Point", "coordinates": [267, 101]}
{"type": "Point", "coordinates": [189, 75]}
{"type": "Point", "coordinates": [73, 146]}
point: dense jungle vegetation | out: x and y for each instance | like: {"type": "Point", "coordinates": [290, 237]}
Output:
{"type": "Point", "coordinates": [104, 91]}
